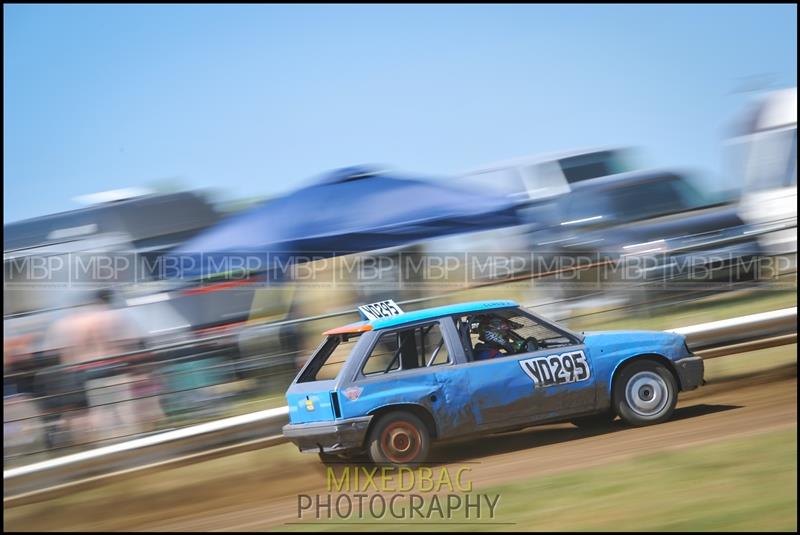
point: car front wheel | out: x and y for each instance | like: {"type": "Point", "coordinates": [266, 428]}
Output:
{"type": "Point", "coordinates": [645, 393]}
{"type": "Point", "coordinates": [399, 438]}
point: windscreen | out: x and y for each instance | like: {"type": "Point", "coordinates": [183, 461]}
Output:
{"type": "Point", "coordinates": [592, 165]}
{"type": "Point", "coordinates": [772, 160]}
{"type": "Point", "coordinates": [635, 202]}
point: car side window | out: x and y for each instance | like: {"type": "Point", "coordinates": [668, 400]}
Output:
{"type": "Point", "coordinates": [433, 346]}
{"type": "Point", "coordinates": [407, 349]}
{"type": "Point", "coordinates": [485, 336]}
{"type": "Point", "coordinates": [328, 360]}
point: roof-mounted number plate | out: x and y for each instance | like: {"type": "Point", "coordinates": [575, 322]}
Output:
{"type": "Point", "coordinates": [381, 309]}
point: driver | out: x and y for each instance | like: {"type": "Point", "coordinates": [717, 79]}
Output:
{"type": "Point", "coordinates": [497, 335]}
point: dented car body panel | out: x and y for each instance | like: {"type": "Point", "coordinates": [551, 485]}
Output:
{"type": "Point", "coordinates": [461, 396]}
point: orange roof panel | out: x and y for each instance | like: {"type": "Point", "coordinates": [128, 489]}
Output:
{"type": "Point", "coordinates": [349, 329]}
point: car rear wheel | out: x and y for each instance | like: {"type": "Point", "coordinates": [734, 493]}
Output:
{"type": "Point", "coordinates": [645, 393]}
{"type": "Point", "coordinates": [399, 438]}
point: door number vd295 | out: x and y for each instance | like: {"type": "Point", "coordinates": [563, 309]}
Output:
{"type": "Point", "coordinates": [569, 367]}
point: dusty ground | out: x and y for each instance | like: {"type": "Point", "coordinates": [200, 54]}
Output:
{"type": "Point", "coordinates": [258, 490]}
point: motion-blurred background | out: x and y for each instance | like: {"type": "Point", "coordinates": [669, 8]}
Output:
{"type": "Point", "coordinates": [192, 194]}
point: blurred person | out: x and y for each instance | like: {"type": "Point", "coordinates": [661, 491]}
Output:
{"type": "Point", "coordinates": [86, 334]}
{"type": "Point", "coordinates": [17, 360]}
{"type": "Point", "coordinates": [23, 427]}
{"type": "Point", "coordinates": [146, 389]}
{"type": "Point", "coordinates": [61, 396]}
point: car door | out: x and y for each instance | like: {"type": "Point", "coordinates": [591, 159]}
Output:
{"type": "Point", "coordinates": [544, 384]}
{"type": "Point", "coordinates": [562, 381]}
{"type": "Point", "coordinates": [412, 365]}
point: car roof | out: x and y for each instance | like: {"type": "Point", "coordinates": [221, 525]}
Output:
{"type": "Point", "coordinates": [421, 315]}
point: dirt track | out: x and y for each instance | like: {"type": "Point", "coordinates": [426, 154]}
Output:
{"type": "Point", "coordinates": [250, 495]}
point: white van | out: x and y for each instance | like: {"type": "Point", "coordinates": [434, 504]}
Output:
{"type": "Point", "coordinates": [765, 152]}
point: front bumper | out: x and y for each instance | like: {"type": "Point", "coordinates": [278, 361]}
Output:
{"type": "Point", "coordinates": [690, 372]}
{"type": "Point", "coordinates": [329, 437]}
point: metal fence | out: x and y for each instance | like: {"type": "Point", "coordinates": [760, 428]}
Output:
{"type": "Point", "coordinates": [178, 384]}
{"type": "Point", "coordinates": [259, 429]}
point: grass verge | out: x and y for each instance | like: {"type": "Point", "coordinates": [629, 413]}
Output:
{"type": "Point", "coordinates": [746, 484]}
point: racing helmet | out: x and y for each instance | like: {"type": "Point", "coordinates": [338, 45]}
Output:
{"type": "Point", "coordinates": [497, 331]}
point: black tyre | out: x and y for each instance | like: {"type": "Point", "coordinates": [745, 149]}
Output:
{"type": "Point", "coordinates": [342, 458]}
{"type": "Point", "coordinates": [399, 438]}
{"type": "Point", "coordinates": [329, 458]}
{"type": "Point", "coordinates": [645, 393]}
{"type": "Point", "coordinates": [595, 421]}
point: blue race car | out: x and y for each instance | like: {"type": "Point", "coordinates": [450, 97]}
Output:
{"type": "Point", "coordinates": [391, 384]}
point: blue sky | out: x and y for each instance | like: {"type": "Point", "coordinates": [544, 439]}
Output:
{"type": "Point", "coordinates": [254, 100]}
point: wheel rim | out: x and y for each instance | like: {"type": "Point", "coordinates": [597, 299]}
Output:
{"type": "Point", "coordinates": [647, 393]}
{"type": "Point", "coordinates": [401, 442]}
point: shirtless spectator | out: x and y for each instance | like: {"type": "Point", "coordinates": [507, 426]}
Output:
{"type": "Point", "coordinates": [86, 334]}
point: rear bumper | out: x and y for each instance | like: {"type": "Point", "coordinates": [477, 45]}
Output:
{"type": "Point", "coordinates": [690, 372]}
{"type": "Point", "coordinates": [328, 437]}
